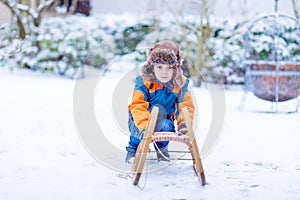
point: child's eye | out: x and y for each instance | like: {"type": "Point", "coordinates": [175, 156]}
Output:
{"type": "Point", "coordinates": [170, 68]}
{"type": "Point", "coordinates": [159, 67]}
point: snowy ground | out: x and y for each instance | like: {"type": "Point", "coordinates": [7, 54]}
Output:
{"type": "Point", "coordinates": [42, 157]}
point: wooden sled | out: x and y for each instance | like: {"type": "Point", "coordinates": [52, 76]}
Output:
{"type": "Point", "coordinates": [151, 136]}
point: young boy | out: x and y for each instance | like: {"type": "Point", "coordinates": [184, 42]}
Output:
{"type": "Point", "coordinates": [161, 84]}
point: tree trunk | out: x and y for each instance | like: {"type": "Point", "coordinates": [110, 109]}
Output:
{"type": "Point", "coordinates": [22, 33]}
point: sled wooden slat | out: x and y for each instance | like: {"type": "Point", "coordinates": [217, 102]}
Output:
{"type": "Point", "coordinates": [171, 159]}
{"type": "Point", "coordinates": [170, 136]}
{"type": "Point", "coordinates": [172, 151]}
{"type": "Point", "coordinates": [151, 136]}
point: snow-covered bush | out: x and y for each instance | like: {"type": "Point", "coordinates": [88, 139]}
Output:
{"type": "Point", "coordinates": [228, 51]}
{"type": "Point", "coordinates": [10, 44]}
{"type": "Point", "coordinates": [270, 39]}
{"type": "Point", "coordinates": [130, 37]}
{"type": "Point", "coordinates": [65, 44]}
{"type": "Point", "coordinates": [62, 46]}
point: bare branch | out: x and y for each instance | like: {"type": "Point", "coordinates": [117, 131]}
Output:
{"type": "Point", "coordinates": [296, 9]}
{"type": "Point", "coordinates": [44, 5]}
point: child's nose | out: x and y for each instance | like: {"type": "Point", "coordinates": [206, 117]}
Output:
{"type": "Point", "coordinates": [165, 70]}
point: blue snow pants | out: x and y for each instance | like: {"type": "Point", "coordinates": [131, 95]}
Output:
{"type": "Point", "coordinates": [161, 125]}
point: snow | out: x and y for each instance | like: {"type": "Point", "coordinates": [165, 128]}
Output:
{"type": "Point", "coordinates": [42, 155]}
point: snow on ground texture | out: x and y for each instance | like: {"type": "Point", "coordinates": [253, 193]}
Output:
{"type": "Point", "coordinates": [41, 155]}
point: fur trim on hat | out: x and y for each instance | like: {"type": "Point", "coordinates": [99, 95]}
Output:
{"type": "Point", "coordinates": [164, 52]}
{"type": "Point", "coordinates": [162, 56]}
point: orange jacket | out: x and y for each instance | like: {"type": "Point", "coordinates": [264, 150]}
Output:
{"type": "Point", "coordinates": [170, 99]}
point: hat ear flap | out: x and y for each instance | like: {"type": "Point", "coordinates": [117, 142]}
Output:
{"type": "Point", "coordinates": [147, 72]}
{"type": "Point", "coordinates": [177, 77]}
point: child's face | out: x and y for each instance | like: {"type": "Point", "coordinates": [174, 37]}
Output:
{"type": "Point", "coordinates": [163, 72]}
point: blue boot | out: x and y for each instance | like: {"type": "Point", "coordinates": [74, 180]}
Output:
{"type": "Point", "coordinates": [165, 156]}
{"type": "Point", "coordinates": [129, 157]}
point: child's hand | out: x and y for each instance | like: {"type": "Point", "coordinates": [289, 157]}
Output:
{"type": "Point", "coordinates": [142, 133]}
{"type": "Point", "coordinates": [182, 129]}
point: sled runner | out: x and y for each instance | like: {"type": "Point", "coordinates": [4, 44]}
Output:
{"type": "Point", "coordinates": [151, 136]}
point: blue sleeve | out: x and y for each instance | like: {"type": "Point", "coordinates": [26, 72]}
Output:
{"type": "Point", "coordinates": [140, 85]}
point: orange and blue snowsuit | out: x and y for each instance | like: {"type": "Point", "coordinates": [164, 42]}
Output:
{"type": "Point", "coordinates": [170, 100]}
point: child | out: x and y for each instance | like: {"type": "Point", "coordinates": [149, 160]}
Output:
{"type": "Point", "coordinates": [161, 84]}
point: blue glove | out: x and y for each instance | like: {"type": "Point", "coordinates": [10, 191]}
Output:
{"type": "Point", "coordinates": [141, 135]}
{"type": "Point", "coordinates": [182, 129]}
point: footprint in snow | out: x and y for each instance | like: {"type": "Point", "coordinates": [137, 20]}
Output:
{"type": "Point", "coordinates": [263, 165]}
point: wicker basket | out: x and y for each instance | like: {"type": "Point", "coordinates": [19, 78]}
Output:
{"type": "Point", "coordinates": [263, 82]}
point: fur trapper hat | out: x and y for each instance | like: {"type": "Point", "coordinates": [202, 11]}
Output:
{"type": "Point", "coordinates": [164, 52]}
